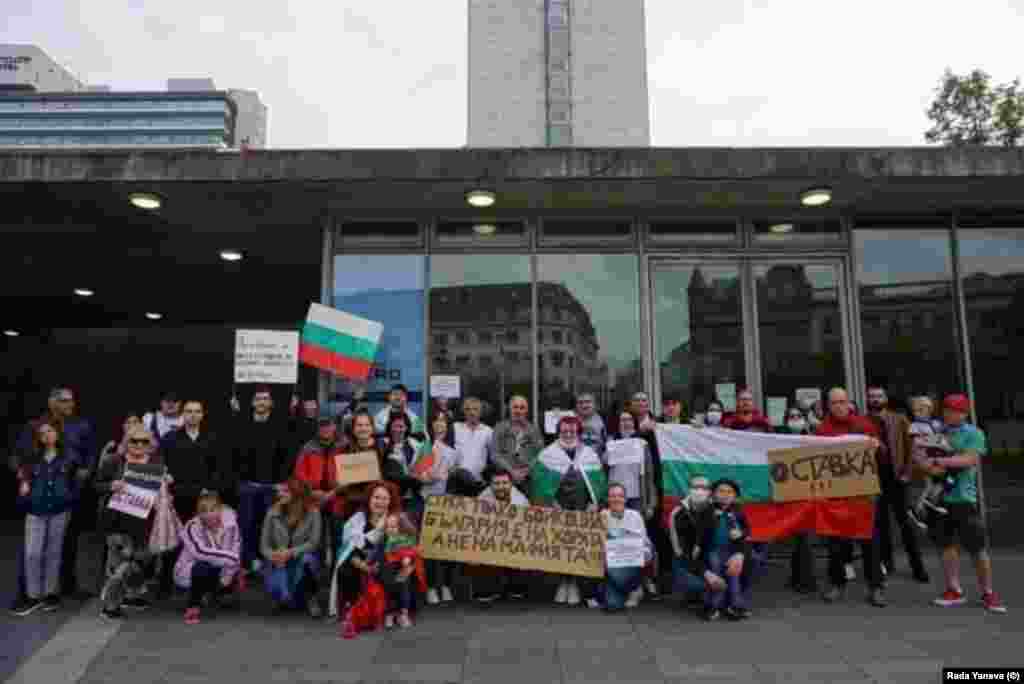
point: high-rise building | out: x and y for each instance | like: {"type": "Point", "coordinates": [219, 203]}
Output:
{"type": "Point", "coordinates": [559, 73]}
{"type": "Point", "coordinates": [26, 68]}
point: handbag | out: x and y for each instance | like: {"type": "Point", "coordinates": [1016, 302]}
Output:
{"type": "Point", "coordinates": [166, 532]}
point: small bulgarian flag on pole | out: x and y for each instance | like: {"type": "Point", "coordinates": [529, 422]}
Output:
{"type": "Point", "coordinates": [339, 342]}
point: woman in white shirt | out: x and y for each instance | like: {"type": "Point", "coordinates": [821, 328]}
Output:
{"type": "Point", "coordinates": [440, 574]}
{"type": "Point", "coordinates": [623, 523]}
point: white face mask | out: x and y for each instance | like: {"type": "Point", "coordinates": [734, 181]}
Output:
{"type": "Point", "coordinates": [714, 418]}
{"type": "Point", "coordinates": [797, 424]}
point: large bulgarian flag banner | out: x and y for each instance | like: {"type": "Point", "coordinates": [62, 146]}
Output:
{"type": "Point", "coordinates": [339, 342]}
{"type": "Point", "coordinates": [788, 483]}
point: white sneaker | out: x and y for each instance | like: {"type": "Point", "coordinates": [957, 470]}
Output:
{"type": "Point", "coordinates": [651, 588]}
{"type": "Point", "coordinates": [257, 565]}
{"type": "Point", "coordinates": [634, 598]}
{"type": "Point", "coordinates": [851, 574]}
{"type": "Point", "coordinates": [593, 603]}
{"type": "Point", "coordinates": [432, 597]}
{"type": "Point", "coordinates": [446, 595]}
{"type": "Point", "coordinates": [562, 595]}
{"type": "Point", "coordinates": [573, 597]}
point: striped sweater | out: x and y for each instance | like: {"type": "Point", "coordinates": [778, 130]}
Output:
{"type": "Point", "coordinates": [198, 545]}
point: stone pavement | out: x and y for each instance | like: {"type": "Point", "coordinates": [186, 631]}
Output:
{"type": "Point", "coordinates": [790, 639]}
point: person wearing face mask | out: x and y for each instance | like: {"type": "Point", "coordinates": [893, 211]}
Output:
{"type": "Point", "coordinates": [713, 417]}
{"type": "Point", "coordinates": [569, 476]}
{"type": "Point", "coordinates": [801, 565]}
{"type": "Point", "coordinates": [724, 550]}
{"type": "Point", "coordinates": [686, 576]}
{"type": "Point", "coordinates": [210, 560]}
{"type": "Point", "coordinates": [622, 582]}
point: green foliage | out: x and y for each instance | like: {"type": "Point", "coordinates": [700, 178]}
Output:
{"type": "Point", "coordinates": [970, 110]}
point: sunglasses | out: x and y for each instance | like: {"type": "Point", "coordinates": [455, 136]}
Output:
{"type": "Point", "coordinates": [139, 442]}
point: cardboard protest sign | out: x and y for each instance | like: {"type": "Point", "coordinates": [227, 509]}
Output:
{"type": "Point", "coordinates": [357, 468]}
{"type": "Point", "coordinates": [461, 529]}
{"type": "Point", "coordinates": [824, 472]}
{"type": "Point", "coordinates": [267, 356]}
{"type": "Point", "coordinates": [625, 552]}
{"type": "Point", "coordinates": [625, 452]}
{"type": "Point", "coordinates": [141, 487]}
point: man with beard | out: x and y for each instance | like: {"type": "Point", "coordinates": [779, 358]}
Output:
{"type": "Point", "coordinates": [489, 582]}
{"type": "Point", "coordinates": [894, 469]}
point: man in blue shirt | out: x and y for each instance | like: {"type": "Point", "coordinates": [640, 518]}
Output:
{"type": "Point", "coordinates": [962, 525]}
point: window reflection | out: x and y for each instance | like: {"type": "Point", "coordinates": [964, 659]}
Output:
{"type": "Point", "coordinates": [904, 281]}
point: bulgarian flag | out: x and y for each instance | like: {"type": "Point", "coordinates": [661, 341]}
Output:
{"type": "Point", "coordinates": [744, 457]}
{"type": "Point", "coordinates": [553, 463]}
{"type": "Point", "coordinates": [339, 342]}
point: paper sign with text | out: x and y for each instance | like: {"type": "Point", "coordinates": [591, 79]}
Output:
{"type": "Point", "coordinates": [625, 452]}
{"type": "Point", "coordinates": [461, 529]}
{"type": "Point", "coordinates": [808, 396]}
{"type": "Point", "coordinates": [776, 409]}
{"type": "Point", "coordinates": [267, 356]}
{"type": "Point", "coordinates": [824, 472]}
{"type": "Point", "coordinates": [357, 468]}
{"type": "Point", "coordinates": [625, 552]}
{"type": "Point", "coordinates": [551, 419]}
{"type": "Point", "coordinates": [726, 393]}
{"type": "Point", "coordinates": [445, 386]}
{"type": "Point", "coordinates": [141, 486]}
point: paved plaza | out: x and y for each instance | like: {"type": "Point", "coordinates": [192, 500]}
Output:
{"type": "Point", "coordinates": [791, 639]}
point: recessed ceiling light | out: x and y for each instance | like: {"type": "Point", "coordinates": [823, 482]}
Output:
{"type": "Point", "coordinates": [145, 200]}
{"type": "Point", "coordinates": [84, 292]}
{"type": "Point", "coordinates": [781, 228]}
{"type": "Point", "coordinates": [11, 333]}
{"type": "Point", "coordinates": [816, 197]}
{"type": "Point", "coordinates": [481, 199]}
{"type": "Point", "coordinates": [485, 229]}
{"type": "Point", "coordinates": [231, 255]}
{"type": "Point", "coordinates": [153, 316]}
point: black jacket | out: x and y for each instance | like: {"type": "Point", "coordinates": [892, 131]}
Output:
{"type": "Point", "coordinates": [260, 452]}
{"type": "Point", "coordinates": [392, 470]}
{"type": "Point", "coordinates": [683, 533]}
{"type": "Point", "coordinates": [707, 521]}
{"type": "Point", "coordinates": [198, 465]}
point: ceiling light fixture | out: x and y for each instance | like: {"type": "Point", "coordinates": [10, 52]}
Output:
{"type": "Point", "coordinates": [781, 228]}
{"type": "Point", "coordinates": [485, 228]}
{"type": "Point", "coordinates": [231, 255]}
{"type": "Point", "coordinates": [11, 333]}
{"type": "Point", "coordinates": [816, 197]}
{"type": "Point", "coordinates": [84, 292]}
{"type": "Point", "coordinates": [153, 316]}
{"type": "Point", "coordinates": [481, 199]}
{"type": "Point", "coordinates": [145, 200]}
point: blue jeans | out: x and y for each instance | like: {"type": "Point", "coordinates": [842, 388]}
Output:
{"type": "Point", "coordinates": [288, 585]}
{"type": "Point", "coordinates": [618, 584]}
{"type": "Point", "coordinates": [733, 594]}
{"type": "Point", "coordinates": [254, 500]}
{"type": "Point", "coordinates": [684, 581]}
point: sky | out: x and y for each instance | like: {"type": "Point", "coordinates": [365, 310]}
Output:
{"type": "Point", "coordinates": [366, 73]}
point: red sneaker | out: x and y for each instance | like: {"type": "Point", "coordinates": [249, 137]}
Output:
{"type": "Point", "coordinates": [192, 616]}
{"type": "Point", "coordinates": [241, 582]}
{"type": "Point", "coordinates": [348, 629]}
{"type": "Point", "coordinates": [992, 603]}
{"type": "Point", "coordinates": [951, 598]}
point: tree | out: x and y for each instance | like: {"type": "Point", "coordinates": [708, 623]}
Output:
{"type": "Point", "coordinates": [970, 110]}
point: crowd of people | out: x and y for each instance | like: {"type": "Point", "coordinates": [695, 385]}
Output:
{"type": "Point", "coordinates": [259, 502]}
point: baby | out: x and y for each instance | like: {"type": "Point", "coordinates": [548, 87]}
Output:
{"type": "Point", "coordinates": [399, 559]}
{"type": "Point", "coordinates": [929, 443]}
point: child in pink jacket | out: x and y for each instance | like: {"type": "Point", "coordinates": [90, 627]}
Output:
{"type": "Point", "coordinates": [210, 556]}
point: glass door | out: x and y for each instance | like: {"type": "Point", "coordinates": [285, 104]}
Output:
{"type": "Point", "coordinates": [773, 325]}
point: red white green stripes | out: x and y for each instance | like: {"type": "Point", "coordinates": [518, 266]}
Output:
{"type": "Point", "coordinates": [339, 342]}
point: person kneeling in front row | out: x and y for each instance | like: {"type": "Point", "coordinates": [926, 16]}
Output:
{"type": "Point", "coordinates": [725, 551]}
{"type": "Point", "coordinates": [210, 559]}
{"type": "Point", "coordinates": [623, 524]}
{"type": "Point", "coordinates": [290, 542]}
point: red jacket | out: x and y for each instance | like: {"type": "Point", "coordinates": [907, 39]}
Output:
{"type": "Point", "coordinates": [317, 466]}
{"type": "Point", "coordinates": [851, 425]}
{"type": "Point", "coordinates": [758, 422]}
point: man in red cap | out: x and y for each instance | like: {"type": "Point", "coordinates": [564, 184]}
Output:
{"type": "Point", "coordinates": [963, 520]}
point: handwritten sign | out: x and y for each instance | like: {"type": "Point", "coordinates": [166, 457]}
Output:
{"type": "Point", "coordinates": [726, 393]}
{"type": "Point", "coordinates": [551, 419]}
{"type": "Point", "coordinates": [141, 487]}
{"type": "Point", "coordinates": [625, 552]}
{"type": "Point", "coordinates": [445, 386]}
{"type": "Point", "coordinates": [457, 528]}
{"type": "Point", "coordinates": [356, 468]}
{"type": "Point", "coordinates": [625, 452]}
{"type": "Point", "coordinates": [776, 409]}
{"type": "Point", "coordinates": [808, 396]}
{"type": "Point", "coordinates": [267, 356]}
{"type": "Point", "coordinates": [820, 472]}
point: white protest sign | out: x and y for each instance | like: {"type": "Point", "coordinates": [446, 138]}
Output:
{"type": "Point", "coordinates": [625, 552]}
{"type": "Point", "coordinates": [776, 409]}
{"type": "Point", "coordinates": [267, 356]}
{"type": "Point", "coordinates": [726, 393]}
{"type": "Point", "coordinates": [808, 396]}
{"type": "Point", "coordinates": [625, 451]}
{"type": "Point", "coordinates": [551, 419]}
{"type": "Point", "coordinates": [134, 501]}
{"type": "Point", "coordinates": [445, 386]}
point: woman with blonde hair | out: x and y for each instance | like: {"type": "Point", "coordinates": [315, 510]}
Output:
{"type": "Point", "coordinates": [290, 542]}
{"type": "Point", "coordinates": [208, 566]}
